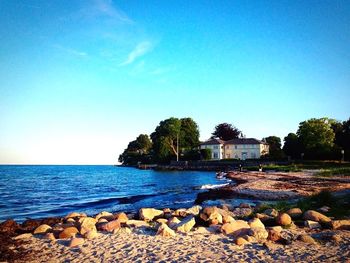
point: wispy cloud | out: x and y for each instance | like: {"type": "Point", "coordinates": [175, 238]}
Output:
{"type": "Point", "coordinates": [103, 8]}
{"type": "Point", "coordinates": [71, 51]}
{"type": "Point", "coordinates": [140, 50]}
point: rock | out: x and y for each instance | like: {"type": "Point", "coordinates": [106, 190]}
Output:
{"type": "Point", "coordinates": [121, 217]}
{"type": "Point", "coordinates": [68, 232]}
{"type": "Point", "coordinates": [237, 228]}
{"type": "Point", "coordinates": [23, 236]}
{"type": "Point", "coordinates": [341, 224]}
{"type": "Point", "coordinates": [312, 224]}
{"type": "Point", "coordinates": [70, 220]}
{"type": "Point", "coordinates": [110, 226]}
{"type": "Point", "coordinates": [74, 242]}
{"type": "Point", "coordinates": [137, 223]}
{"type": "Point", "coordinates": [42, 229]}
{"type": "Point", "coordinates": [295, 212]}
{"type": "Point", "coordinates": [283, 219]}
{"type": "Point", "coordinates": [51, 221]}
{"type": "Point", "coordinates": [194, 210]}
{"type": "Point", "coordinates": [316, 216]}
{"type": "Point", "coordinates": [147, 214]}
{"type": "Point", "coordinates": [255, 222]}
{"type": "Point", "coordinates": [271, 212]}
{"type": "Point", "coordinates": [186, 224]}
{"type": "Point", "coordinates": [336, 238]}
{"type": "Point", "coordinates": [275, 228]}
{"type": "Point", "coordinates": [102, 220]}
{"type": "Point", "coordinates": [122, 230]}
{"type": "Point", "coordinates": [244, 205]}
{"type": "Point", "coordinates": [162, 221]}
{"type": "Point", "coordinates": [180, 212]}
{"type": "Point", "coordinates": [10, 227]}
{"type": "Point", "coordinates": [240, 241]}
{"type": "Point", "coordinates": [242, 212]}
{"type": "Point", "coordinates": [271, 246]}
{"type": "Point", "coordinates": [226, 207]}
{"type": "Point", "coordinates": [165, 231]}
{"type": "Point", "coordinates": [172, 222]}
{"type": "Point", "coordinates": [205, 230]}
{"type": "Point", "coordinates": [211, 215]}
{"type": "Point", "coordinates": [91, 234]}
{"type": "Point", "coordinates": [259, 233]}
{"type": "Point", "coordinates": [287, 237]}
{"type": "Point", "coordinates": [105, 215]}
{"type": "Point", "coordinates": [306, 239]}
{"type": "Point", "coordinates": [250, 239]}
{"type": "Point", "coordinates": [324, 209]}
{"type": "Point", "coordinates": [274, 235]}
{"type": "Point", "coordinates": [87, 224]}
{"type": "Point", "coordinates": [50, 236]}
{"type": "Point", "coordinates": [227, 219]}
{"type": "Point", "coordinates": [29, 225]}
{"type": "Point", "coordinates": [72, 215]}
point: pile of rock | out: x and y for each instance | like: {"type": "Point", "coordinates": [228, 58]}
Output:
{"type": "Point", "coordinates": [244, 224]}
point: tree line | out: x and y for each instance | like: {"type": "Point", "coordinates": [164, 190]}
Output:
{"type": "Point", "coordinates": [175, 138]}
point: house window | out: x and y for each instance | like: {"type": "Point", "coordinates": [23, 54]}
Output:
{"type": "Point", "coordinates": [253, 155]}
{"type": "Point", "coordinates": [235, 146]}
{"type": "Point", "coordinates": [215, 155]}
{"type": "Point", "coordinates": [236, 156]}
{"type": "Point", "coordinates": [216, 147]}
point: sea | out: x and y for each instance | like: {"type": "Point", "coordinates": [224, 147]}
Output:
{"type": "Point", "coordinates": [39, 191]}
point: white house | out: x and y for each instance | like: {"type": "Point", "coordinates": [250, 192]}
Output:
{"type": "Point", "coordinates": [241, 148]}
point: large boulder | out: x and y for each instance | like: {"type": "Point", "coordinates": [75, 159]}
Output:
{"type": "Point", "coordinates": [137, 223]}
{"type": "Point", "coordinates": [87, 224]}
{"type": "Point", "coordinates": [42, 229]}
{"type": "Point", "coordinates": [172, 222]}
{"type": "Point", "coordinates": [147, 214]}
{"type": "Point", "coordinates": [68, 232]}
{"type": "Point", "coordinates": [316, 216]}
{"type": "Point", "coordinates": [274, 235]}
{"type": "Point", "coordinates": [259, 233]}
{"type": "Point", "coordinates": [242, 212]}
{"type": "Point", "coordinates": [73, 215]}
{"type": "Point", "coordinates": [186, 224]}
{"type": "Point", "coordinates": [312, 224]}
{"type": "Point", "coordinates": [91, 234]}
{"type": "Point", "coordinates": [121, 217]}
{"type": "Point", "coordinates": [110, 226]}
{"type": "Point", "coordinates": [295, 212]}
{"type": "Point", "coordinates": [165, 231]}
{"type": "Point", "coordinates": [256, 222]}
{"type": "Point", "coordinates": [194, 210]}
{"type": "Point", "coordinates": [283, 219]}
{"type": "Point", "coordinates": [240, 241]}
{"type": "Point", "coordinates": [10, 227]}
{"type": "Point", "coordinates": [306, 239]}
{"type": "Point", "coordinates": [341, 224]}
{"type": "Point", "coordinates": [271, 212]}
{"type": "Point", "coordinates": [211, 215]}
{"type": "Point", "coordinates": [28, 225]}
{"type": "Point", "coordinates": [236, 228]}
{"type": "Point", "coordinates": [106, 215]}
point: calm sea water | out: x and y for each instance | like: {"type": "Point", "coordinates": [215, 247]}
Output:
{"type": "Point", "coordinates": [45, 191]}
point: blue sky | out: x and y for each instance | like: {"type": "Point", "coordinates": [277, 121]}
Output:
{"type": "Point", "coordinates": [80, 79]}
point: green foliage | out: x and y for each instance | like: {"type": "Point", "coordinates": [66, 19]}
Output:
{"type": "Point", "coordinates": [317, 137]}
{"type": "Point", "coordinates": [274, 143]}
{"type": "Point", "coordinates": [292, 146]}
{"type": "Point", "coordinates": [171, 131]}
{"type": "Point", "coordinates": [137, 151]}
{"type": "Point", "coordinates": [226, 131]}
{"type": "Point", "coordinates": [205, 154]}
{"type": "Point", "coordinates": [334, 172]}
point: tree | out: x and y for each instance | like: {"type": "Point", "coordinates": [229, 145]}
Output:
{"type": "Point", "coordinates": [169, 133]}
{"type": "Point", "coordinates": [292, 146]}
{"type": "Point", "coordinates": [226, 131]}
{"type": "Point", "coordinates": [316, 137]}
{"type": "Point", "coordinates": [205, 154]}
{"type": "Point", "coordinates": [275, 150]}
{"type": "Point", "coordinates": [137, 151]}
{"type": "Point", "coordinates": [342, 137]}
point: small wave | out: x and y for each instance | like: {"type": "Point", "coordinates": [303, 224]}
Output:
{"type": "Point", "coordinates": [213, 186]}
{"type": "Point", "coordinates": [183, 202]}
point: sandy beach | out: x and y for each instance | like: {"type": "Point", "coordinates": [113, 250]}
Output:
{"type": "Point", "coordinates": [194, 247]}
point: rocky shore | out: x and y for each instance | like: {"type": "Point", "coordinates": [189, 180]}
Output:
{"type": "Point", "coordinates": [210, 234]}
{"type": "Point", "coordinates": [275, 186]}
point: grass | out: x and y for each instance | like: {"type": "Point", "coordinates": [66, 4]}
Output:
{"type": "Point", "coordinates": [334, 171]}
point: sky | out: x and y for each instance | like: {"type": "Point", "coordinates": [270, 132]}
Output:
{"type": "Point", "coordinates": [79, 79]}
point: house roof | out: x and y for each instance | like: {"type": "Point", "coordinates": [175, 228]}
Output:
{"type": "Point", "coordinates": [233, 141]}
{"type": "Point", "coordinates": [244, 141]}
{"type": "Point", "coordinates": [213, 142]}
